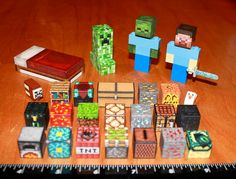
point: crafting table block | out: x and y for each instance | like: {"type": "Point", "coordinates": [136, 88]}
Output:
{"type": "Point", "coordinates": [37, 114]}
{"type": "Point", "coordinates": [148, 93]}
{"type": "Point", "coordinates": [145, 143]}
{"type": "Point", "coordinates": [61, 115]}
{"type": "Point", "coordinates": [88, 142]}
{"type": "Point", "coordinates": [199, 144]}
{"type": "Point", "coordinates": [172, 143]}
{"type": "Point", "coordinates": [164, 115]}
{"type": "Point", "coordinates": [170, 93]}
{"type": "Point", "coordinates": [83, 92]}
{"type": "Point", "coordinates": [60, 91]}
{"type": "Point", "coordinates": [122, 93]}
{"type": "Point", "coordinates": [33, 89]}
{"type": "Point", "coordinates": [188, 117]}
{"type": "Point", "coordinates": [141, 116]}
{"type": "Point", "coordinates": [116, 143]}
{"type": "Point", "coordinates": [31, 142]}
{"type": "Point", "coordinates": [115, 116]}
{"type": "Point", "coordinates": [59, 142]}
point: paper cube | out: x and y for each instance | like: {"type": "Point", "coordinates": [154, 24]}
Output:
{"type": "Point", "coordinates": [33, 89]}
{"type": "Point", "coordinates": [83, 92]}
{"type": "Point", "coordinates": [60, 91]}
{"type": "Point", "coordinates": [148, 93]}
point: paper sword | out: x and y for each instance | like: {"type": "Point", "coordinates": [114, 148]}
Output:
{"type": "Point", "coordinates": [204, 74]}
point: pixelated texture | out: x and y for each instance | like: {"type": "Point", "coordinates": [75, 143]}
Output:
{"type": "Point", "coordinates": [188, 117]}
{"type": "Point", "coordinates": [164, 115]}
{"type": "Point", "coordinates": [88, 123]}
{"type": "Point", "coordinates": [145, 26]}
{"type": "Point", "coordinates": [83, 92]}
{"type": "Point", "coordinates": [60, 91]}
{"type": "Point", "coordinates": [116, 152]}
{"type": "Point", "coordinates": [145, 143]}
{"type": "Point", "coordinates": [59, 142]}
{"type": "Point", "coordinates": [87, 111]}
{"type": "Point", "coordinates": [87, 142]}
{"type": "Point", "coordinates": [31, 142]}
{"type": "Point", "coordinates": [33, 89]}
{"type": "Point", "coordinates": [114, 115]}
{"type": "Point", "coordinates": [37, 114]}
{"type": "Point", "coordinates": [102, 49]}
{"type": "Point", "coordinates": [172, 143]}
{"type": "Point", "coordinates": [170, 93]}
{"type": "Point", "coordinates": [141, 116]}
{"type": "Point", "coordinates": [199, 144]}
{"type": "Point", "coordinates": [148, 93]}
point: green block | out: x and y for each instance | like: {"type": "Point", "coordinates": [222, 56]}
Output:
{"type": "Point", "coordinates": [145, 26]}
{"type": "Point", "coordinates": [87, 111]}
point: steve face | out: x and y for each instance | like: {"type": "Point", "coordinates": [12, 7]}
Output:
{"type": "Point", "coordinates": [183, 40]}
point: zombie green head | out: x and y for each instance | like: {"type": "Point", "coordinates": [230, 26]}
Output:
{"type": "Point", "coordinates": [145, 26]}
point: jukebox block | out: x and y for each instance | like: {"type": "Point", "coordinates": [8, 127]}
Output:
{"type": "Point", "coordinates": [59, 142]}
{"type": "Point", "coordinates": [172, 143]}
{"type": "Point", "coordinates": [114, 116]}
{"type": "Point", "coordinates": [33, 89]}
{"type": "Point", "coordinates": [83, 92]}
{"type": "Point", "coordinates": [88, 142]}
{"type": "Point", "coordinates": [164, 115]}
{"type": "Point", "coordinates": [170, 93]}
{"type": "Point", "coordinates": [31, 142]}
{"type": "Point", "coordinates": [37, 114]}
{"type": "Point", "coordinates": [116, 142]}
{"type": "Point", "coordinates": [145, 143]}
{"type": "Point", "coordinates": [141, 116]}
{"type": "Point", "coordinates": [61, 115]}
{"type": "Point", "coordinates": [60, 91]}
{"type": "Point", "coordinates": [199, 144]}
{"type": "Point", "coordinates": [188, 117]}
{"type": "Point", "coordinates": [148, 93]}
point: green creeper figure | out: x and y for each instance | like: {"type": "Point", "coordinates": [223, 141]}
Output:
{"type": "Point", "coordinates": [101, 55]}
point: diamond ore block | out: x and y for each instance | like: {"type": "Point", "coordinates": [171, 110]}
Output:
{"type": "Point", "coordinates": [145, 143]}
{"type": "Point", "coordinates": [61, 115]}
{"type": "Point", "coordinates": [188, 117]}
{"type": "Point", "coordinates": [88, 142]}
{"type": "Point", "coordinates": [37, 114]}
{"type": "Point", "coordinates": [59, 142]}
{"type": "Point", "coordinates": [172, 143]}
{"type": "Point", "coordinates": [148, 93]}
{"type": "Point", "coordinates": [199, 144]}
{"type": "Point", "coordinates": [164, 115]}
{"type": "Point", "coordinates": [83, 92]}
{"type": "Point", "coordinates": [114, 115]}
{"type": "Point", "coordinates": [141, 116]}
{"type": "Point", "coordinates": [31, 142]}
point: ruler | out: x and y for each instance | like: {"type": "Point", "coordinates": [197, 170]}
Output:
{"type": "Point", "coordinates": [219, 169]}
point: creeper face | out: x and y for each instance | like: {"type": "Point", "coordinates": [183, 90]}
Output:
{"type": "Point", "coordinates": [145, 26]}
{"type": "Point", "coordinates": [183, 40]}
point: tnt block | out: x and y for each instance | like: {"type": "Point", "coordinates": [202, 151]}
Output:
{"type": "Point", "coordinates": [170, 93]}
{"type": "Point", "coordinates": [88, 142]}
{"type": "Point", "coordinates": [116, 142]}
{"type": "Point", "coordinates": [148, 93]}
{"type": "Point", "coordinates": [199, 144]}
{"type": "Point", "coordinates": [145, 143]}
{"type": "Point", "coordinates": [114, 115]}
{"type": "Point", "coordinates": [59, 142]}
{"type": "Point", "coordinates": [188, 117]}
{"type": "Point", "coordinates": [172, 143]}
{"type": "Point", "coordinates": [31, 142]}
{"type": "Point", "coordinates": [83, 92]}
{"type": "Point", "coordinates": [37, 114]}
{"type": "Point", "coordinates": [141, 116]}
{"type": "Point", "coordinates": [33, 89]}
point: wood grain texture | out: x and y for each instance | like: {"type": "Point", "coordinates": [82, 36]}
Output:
{"type": "Point", "coordinates": [66, 26]}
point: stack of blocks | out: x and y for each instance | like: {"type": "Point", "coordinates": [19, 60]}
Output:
{"type": "Point", "coordinates": [60, 91]}
{"type": "Point", "coordinates": [145, 143]}
{"type": "Point", "coordinates": [170, 93]}
{"type": "Point", "coordinates": [101, 55]}
{"type": "Point", "coordinates": [83, 92]}
{"type": "Point", "coordinates": [87, 142]}
{"type": "Point", "coordinates": [141, 116]}
{"type": "Point", "coordinates": [59, 142]}
{"type": "Point", "coordinates": [172, 143]}
{"type": "Point", "coordinates": [188, 117]}
{"type": "Point", "coordinates": [116, 142]}
{"type": "Point", "coordinates": [148, 93]}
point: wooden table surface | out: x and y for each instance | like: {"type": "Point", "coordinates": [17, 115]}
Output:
{"type": "Point", "coordinates": [65, 26]}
